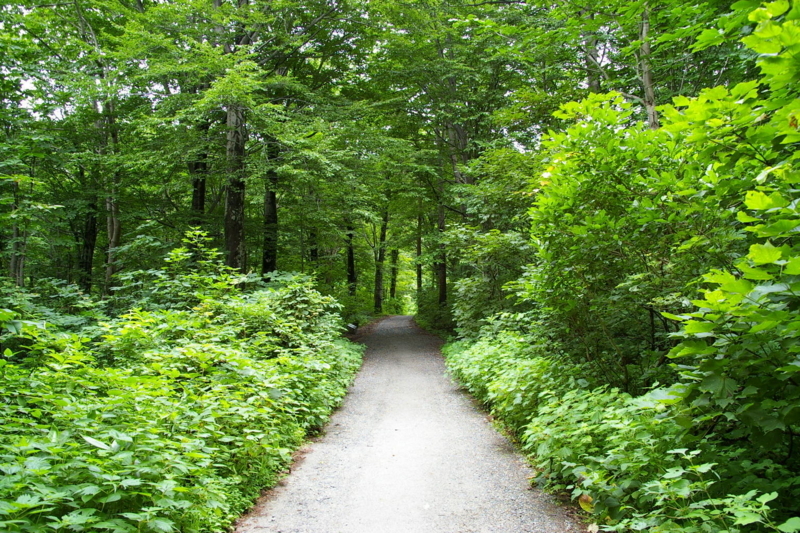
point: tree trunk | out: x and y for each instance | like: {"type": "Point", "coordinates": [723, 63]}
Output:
{"type": "Point", "coordinates": [441, 264]}
{"type": "Point", "coordinates": [379, 261]}
{"type": "Point", "coordinates": [352, 279]}
{"type": "Point", "coordinates": [395, 257]}
{"type": "Point", "coordinates": [113, 222]}
{"type": "Point", "coordinates": [269, 258]}
{"type": "Point", "coordinates": [235, 189]}
{"type": "Point", "coordinates": [419, 255]}
{"type": "Point", "coordinates": [87, 240]}
{"type": "Point", "coordinates": [646, 71]}
{"type": "Point", "coordinates": [113, 231]}
{"type": "Point", "coordinates": [458, 141]}
{"type": "Point", "coordinates": [19, 241]}
{"type": "Point", "coordinates": [592, 60]}
{"type": "Point", "coordinates": [198, 170]}
{"type": "Point", "coordinates": [313, 247]}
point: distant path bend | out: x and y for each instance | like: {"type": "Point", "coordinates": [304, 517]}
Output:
{"type": "Point", "coordinates": [407, 453]}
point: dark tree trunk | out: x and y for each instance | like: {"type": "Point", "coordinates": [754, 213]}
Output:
{"type": "Point", "coordinates": [313, 247]}
{"type": "Point", "coordinates": [87, 241]}
{"type": "Point", "coordinates": [19, 239]}
{"type": "Point", "coordinates": [269, 259]}
{"type": "Point", "coordinates": [113, 221]}
{"type": "Point", "coordinates": [380, 259]}
{"type": "Point", "coordinates": [352, 279]}
{"type": "Point", "coordinates": [395, 257]}
{"type": "Point", "coordinates": [199, 171]}
{"type": "Point", "coordinates": [235, 190]}
{"type": "Point", "coordinates": [441, 265]}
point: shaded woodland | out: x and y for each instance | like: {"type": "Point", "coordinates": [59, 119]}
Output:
{"type": "Point", "coordinates": [597, 202]}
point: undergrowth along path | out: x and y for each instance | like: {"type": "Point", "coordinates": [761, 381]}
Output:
{"type": "Point", "coordinates": [408, 452]}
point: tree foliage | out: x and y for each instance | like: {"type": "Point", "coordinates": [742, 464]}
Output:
{"type": "Point", "coordinates": [600, 200]}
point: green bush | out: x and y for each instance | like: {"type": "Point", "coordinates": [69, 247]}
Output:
{"type": "Point", "coordinates": [632, 462]}
{"type": "Point", "coordinates": [172, 419]}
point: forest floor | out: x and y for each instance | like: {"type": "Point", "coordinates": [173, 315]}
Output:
{"type": "Point", "coordinates": [408, 452]}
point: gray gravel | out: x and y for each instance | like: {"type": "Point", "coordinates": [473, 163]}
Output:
{"type": "Point", "coordinates": [407, 453]}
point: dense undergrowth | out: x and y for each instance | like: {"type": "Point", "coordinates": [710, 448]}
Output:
{"type": "Point", "coordinates": [632, 462]}
{"type": "Point", "coordinates": [171, 416]}
{"type": "Point", "coordinates": [650, 364]}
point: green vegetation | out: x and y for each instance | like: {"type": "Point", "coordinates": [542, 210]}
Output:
{"type": "Point", "coordinates": [172, 416]}
{"type": "Point", "coordinates": [599, 202]}
{"type": "Point", "coordinates": [656, 408]}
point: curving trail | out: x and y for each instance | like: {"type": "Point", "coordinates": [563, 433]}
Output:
{"type": "Point", "coordinates": [407, 453]}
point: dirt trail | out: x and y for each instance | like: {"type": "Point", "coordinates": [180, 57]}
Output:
{"type": "Point", "coordinates": [407, 453]}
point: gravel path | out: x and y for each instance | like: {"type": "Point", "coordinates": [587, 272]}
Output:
{"type": "Point", "coordinates": [407, 453]}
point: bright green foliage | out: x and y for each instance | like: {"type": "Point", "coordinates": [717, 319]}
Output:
{"type": "Point", "coordinates": [739, 359]}
{"type": "Point", "coordinates": [191, 413]}
{"type": "Point", "coordinates": [614, 453]}
{"type": "Point", "coordinates": [618, 236]}
{"type": "Point", "coordinates": [629, 225]}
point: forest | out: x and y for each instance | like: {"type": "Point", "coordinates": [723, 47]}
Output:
{"type": "Point", "coordinates": [595, 202]}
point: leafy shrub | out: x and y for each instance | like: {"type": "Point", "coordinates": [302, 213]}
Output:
{"type": "Point", "coordinates": [632, 462]}
{"type": "Point", "coordinates": [174, 418]}
{"type": "Point", "coordinates": [192, 273]}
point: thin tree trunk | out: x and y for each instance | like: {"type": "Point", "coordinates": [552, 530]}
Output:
{"type": "Point", "coordinates": [113, 231]}
{"type": "Point", "coordinates": [441, 264]}
{"type": "Point", "coordinates": [395, 257]}
{"type": "Point", "coordinates": [87, 241]}
{"type": "Point", "coordinates": [113, 222]}
{"type": "Point", "coordinates": [419, 255]}
{"type": "Point", "coordinates": [379, 261]}
{"type": "Point", "coordinates": [313, 247]}
{"type": "Point", "coordinates": [352, 279]}
{"type": "Point", "coordinates": [19, 240]}
{"type": "Point", "coordinates": [269, 258]}
{"type": "Point", "coordinates": [18, 255]}
{"type": "Point", "coordinates": [235, 189]}
{"type": "Point", "coordinates": [646, 71]}
{"type": "Point", "coordinates": [457, 141]}
{"type": "Point", "coordinates": [592, 60]}
{"type": "Point", "coordinates": [198, 170]}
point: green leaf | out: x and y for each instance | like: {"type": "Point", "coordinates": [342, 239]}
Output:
{"type": "Point", "coordinates": [790, 526]}
{"type": "Point", "coordinates": [694, 326]}
{"type": "Point", "coordinates": [95, 442]}
{"type": "Point", "coordinates": [744, 518]}
{"type": "Point", "coordinates": [720, 386]}
{"type": "Point", "coordinates": [780, 227]}
{"type": "Point", "coordinates": [764, 498]}
{"type": "Point", "coordinates": [762, 254]}
{"type": "Point", "coordinates": [756, 274]}
{"type": "Point", "coordinates": [673, 473]}
{"type": "Point", "coordinates": [757, 200]}
{"type": "Point", "coordinates": [743, 217]}
{"type": "Point", "coordinates": [777, 8]}
{"type": "Point", "coordinates": [161, 524]}
{"type": "Point", "coordinates": [792, 267]}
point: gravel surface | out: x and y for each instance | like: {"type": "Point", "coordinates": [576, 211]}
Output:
{"type": "Point", "coordinates": [407, 453]}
